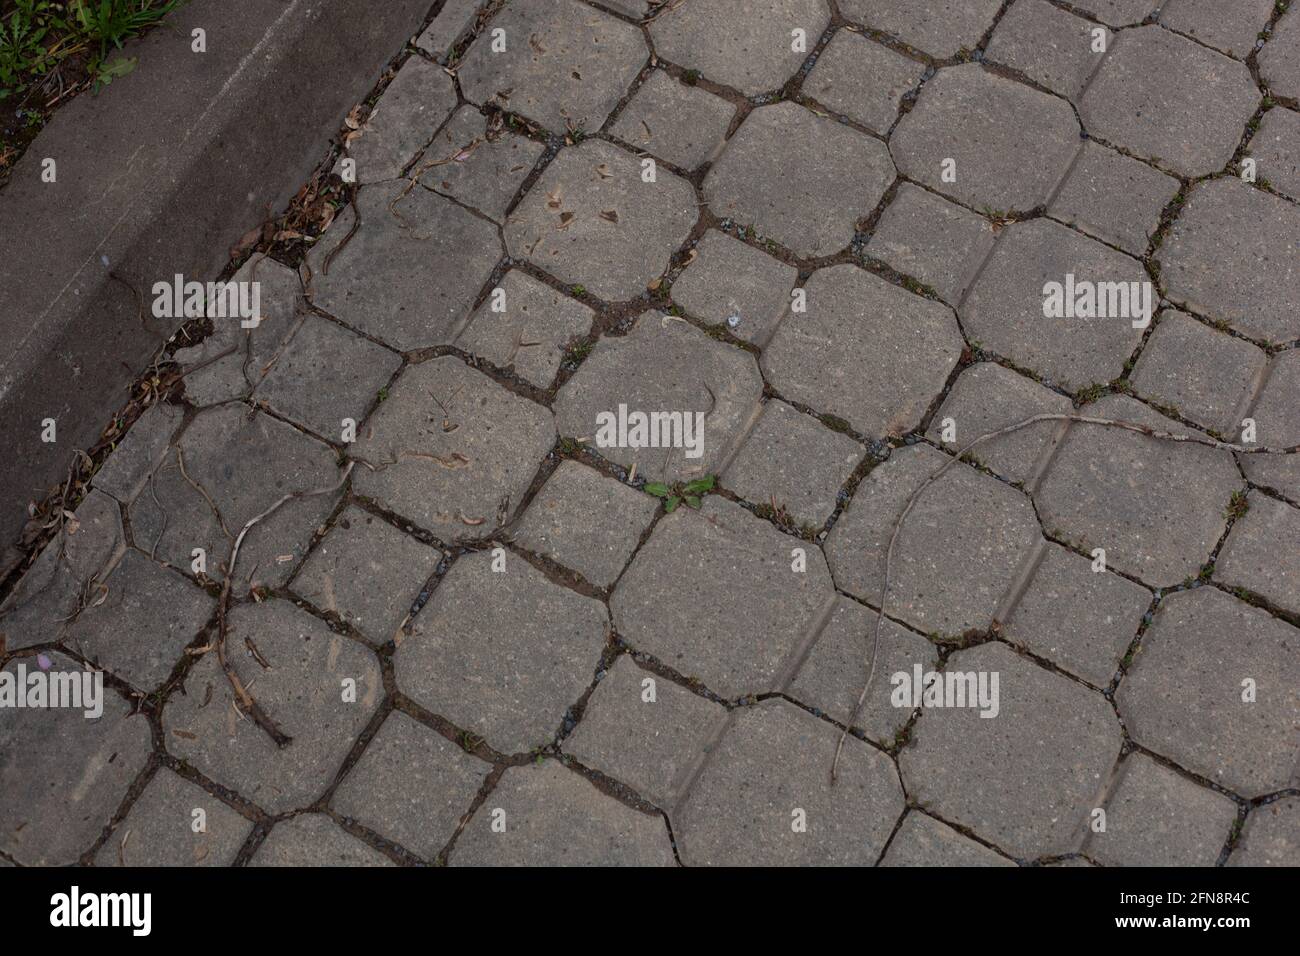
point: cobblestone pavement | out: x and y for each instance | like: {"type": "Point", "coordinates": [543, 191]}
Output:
{"type": "Point", "coordinates": [472, 622]}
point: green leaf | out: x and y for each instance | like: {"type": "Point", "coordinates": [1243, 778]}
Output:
{"type": "Point", "coordinates": [671, 504]}
{"type": "Point", "coordinates": [693, 501]}
{"type": "Point", "coordinates": [699, 485]}
{"type": "Point", "coordinates": [658, 489]}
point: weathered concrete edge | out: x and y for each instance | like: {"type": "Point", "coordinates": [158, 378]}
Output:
{"type": "Point", "coordinates": [159, 174]}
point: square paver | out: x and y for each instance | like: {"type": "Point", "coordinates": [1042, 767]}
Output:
{"type": "Point", "coordinates": [1048, 45]}
{"type": "Point", "coordinates": [126, 471]}
{"type": "Point", "coordinates": [1262, 553]}
{"type": "Point", "coordinates": [1269, 837]}
{"type": "Point", "coordinates": [417, 101]}
{"type": "Point", "coordinates": [1279, 61]}
{"type": "Point", "coordinates": [476, 168]}
{"type": "Point", "coordinates": [863, 80]}
{"type": "Point", "coordinates": [315, 840]}
{"type": "Point", "coordinates": [733, 284]}
{"type": "Point", "coordinates": [1275, 148]}
{"type": "Point", "coordinates": [942, 28]}
{"type": "Point", "coordinates": [1277, 420]}
{"type": "Point", "coordinates": [923, 841]}
{"type": "Point", "coordinates": [1230, 28]}
{"type": "Point", "coordinates": [1114, 198]}
{"type": "Point", "coordinates": [684, 125]}
{"type": "Point", "coordinates": [1118, 13]}
{"type": "Point", "coordinates": [455, 17]}
{"type": "Point", "coordinates": [161, 830]}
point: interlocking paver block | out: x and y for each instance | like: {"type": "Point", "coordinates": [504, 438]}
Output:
{"type": "Point", "coordinates": [812, 208]}
{"type": "Point", "coordinates": [63, 775]}
{"type": "Point", "coordinates": [863, 80]}
{"type": "Point", "coordinates": [1156, 817]}
{"type": "Point", "coordinates": [1271, 836]}
{"type": "Point", "coordinates": [684, 125]}
{"type": "Point", "coordinates": [956, 555]}
{"type": "Point", "coordinates": [455, 17]}
{"type": "Point", "coordinates": [991, 126]}
{"type": "Point", "coordinates": [410, 274]}
{"type": "Point", "coordinates": [586, 522]}
{"type": "Point", "coordinates": [1078, 618]}
{"type": "Point", "coordinates": [737, 609]}
{"type": "Point", "coordinates": [305, 690]}
{"type": "Point", "coordinates": [1262, 553]}
{"type": "Point", "coordinates": [753, 52]}
{"type": "Point", "coordinates": [930, 239]}
{"type": "Point", "coordinates": [139, 629]}
{"type": "Point", "coordinates": [1155, 506]}
{"type": "Point", "coordinates": [1276, 149]}
{"type": "Point", "coordinates": [451, 449]}
{"type": "Point", "coordinates": [1048, 45]}
{"type": "Point", "coordinates": [1231, 28]}
{"type": "Point", "coordinates": [831, 677]}
{"type": "Point", "coordinates": [765, 797]}
{"type": "Point", "coordinates": [565, 64]}
{"type": "Point", "coordinates": [733, 283]}
{"type": "Point", "coordinates": [555, 817]}
{"type": "Point", "coordinates": [941, 28]}
{"type": "Point", "coordinates": [795, 461]}
{"type": "Point", "coordinates": [1183, 695]}
{"type": "Point", "coordinates": [480, 170]}
{"type": "Point", "coordinates": [1027, 779]}
{"type": "Point", "coordinates": [633, 8]}
{"type": "Point", "coordinates": [1119, 13]}
{"type": "Point", "coordinates": [1114, 197]}
{"type": "Point", "coordinates": [663, 365]}
{"type": "Point", "coordinates": [126, 471]}
{"type": "Point", "coordinates": [417, 101]}
{"type": "Point", "coordinates": [1279, 61]}
{"type": "Point", "coordinates": [502, 654]}
{"type": "Point", "coordinates": [315, 840]}
{"type": "Point", "coordinates": [159, 830]}
{"type": "Point", "coordinates": [987, 397]}
{"type": "Point", "coordinates": [1004, 310]}
{"type": "Point", "coordinates": [865, 350]}
{"type": "Point", "coordinates": [1207, 376]}
{"type": "Point", "coordinates": [1170, 100]}
{"type": "Point", "coordinates": [922, 840]}
{"type": "Point", "coordinates": [1277, 419]}
{"type": "Point", "coordinates": [592, 220]}
{"type": "Point", "coordinates": [647, 737]}
{"type": "Point", "coordinates": [367, 572]}
{"type": "Point", "coordinates": [411, 786]}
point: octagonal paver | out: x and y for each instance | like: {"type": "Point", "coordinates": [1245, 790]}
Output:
{"type": "Point", "coordinates": [1011, 143]}
{"type": "Point", "coordinates": [1277, 418]}
{"type": "Point", "coordinates": [159, 830]}
{"type": "Point", "coordinates": [941, 28]}
{"type": "Point", "coordinates": [812, 208]}
{"type": "Point", "coordinates": [922, 840]}
{"type": "Point", "coordinates": [1279, 61]}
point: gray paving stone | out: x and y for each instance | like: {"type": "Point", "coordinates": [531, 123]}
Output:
{"type": "Point", "coordinates": [533, 332]}
{"type": "Point", "coordinates": [1004, 310]}
{"type": "Point", "coordinates": [1077, 618]}
{"type": "Point", "coordinates": [314, 840]}
{"type": "Point", "coordinates": [795, 461]}
{"type": "Point", "coordinates": [738, 612]}
{"type": "Point", "coordinates": [957, 554]}
{"type": "Point", "coordinates": [411, 786]}
{"type": "Point", "coordinates": [591, 220]}
{"type": "Point", "coordinates": [766, 799]}
{"type": "Point", "coordinates": [831, 676]}
{"type": "Point", "coordinates": [1157, 507]}
{"type": "Point", "coordinates": [734, 284]}
{"type": "Point", "coordinates": [753, 53]}
{"type": "Point", "coordinates": [930, 239]}
{"type": "Point", "coordinates": [63, 775]}
{"type": "Point", "coordinates": [502, 654]}
{"type": "Point", "coordinates": [1271, 836]}
{"type": "Point", "coordinates": [565, 64]}
{"type": "Point", "coordinates": [865, 350]}
{"type": "Point", "coordinates": [1279, 61]}
{"type": "Point", "coordinates": [455, 17]}
{"type": "Point", "coordinates": [480, 170]}
{"type": "Point", "coordinates": [246, 462]}
{"type": "Point", "coordinates": [586, 522]}
{"type": "Point", "coordinates": [1119, 13]}
{"type": "Point", "coordinates": [941, 28]}
{"type": "Point", "coordinates": [554, 817]}
{"type": "Point", "coordinates": [812, 208]}
{"type": "Point", "coordinates": [632, 8]}
{"type": "Point", "coordinates": [663, 365]}
{"type": "Point", "coordinates": [987, 397]}
{"type": "Point", "coordinates": [410, 274]}
{"type": "Point", "coordinates": [159, 830]}
{"type": "Point", "coordinates": [1114, 197]}
{"type": "Point", "coordinates": [417, 101]}
{"type": "Point", "coordinates": [1048, 45]}
{"type": "Point", "coordinates": [138, 627]}
{"type": "Point", "coordinates": [990, 125]}
{"type": "Point", "coordinates": [1262, 553]}
{"type": "Point", "coordinates": [863, 80]}
{"type": "Point", "coordinates": [1182, 696]}
{"type": "Point", "coordinates": [1230, 28]}
{"type": "Point", "coordinates": [302, 691]}
{"type": "Point", "coordinates": [1276, 149]}
{"type": "Point", "coordinates": [651, 745]}
{"type": "Point", "coordinates": [1027, 779]}
{"type": "Point", "coordinates": [367, 572]}
{"type": "Point", "coordinates": [326, 374]}
{"type": "Point", "coordinates": [681, 124]}
{"type": "Point", "coordinates": [1156, 817]}
{"type": "Point", "coordinates": [1277, 418]}
{"type": "Point", "coordinates": [924, 841]}
{"type": "Point", "coordinates": [126, 471]}
{"type": "Point", "coordinates": [452, 450]}
{"type": "Point", "coordinates": [1208, 376]}
{"type": "Point", "coordinates": [1170, 100]}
